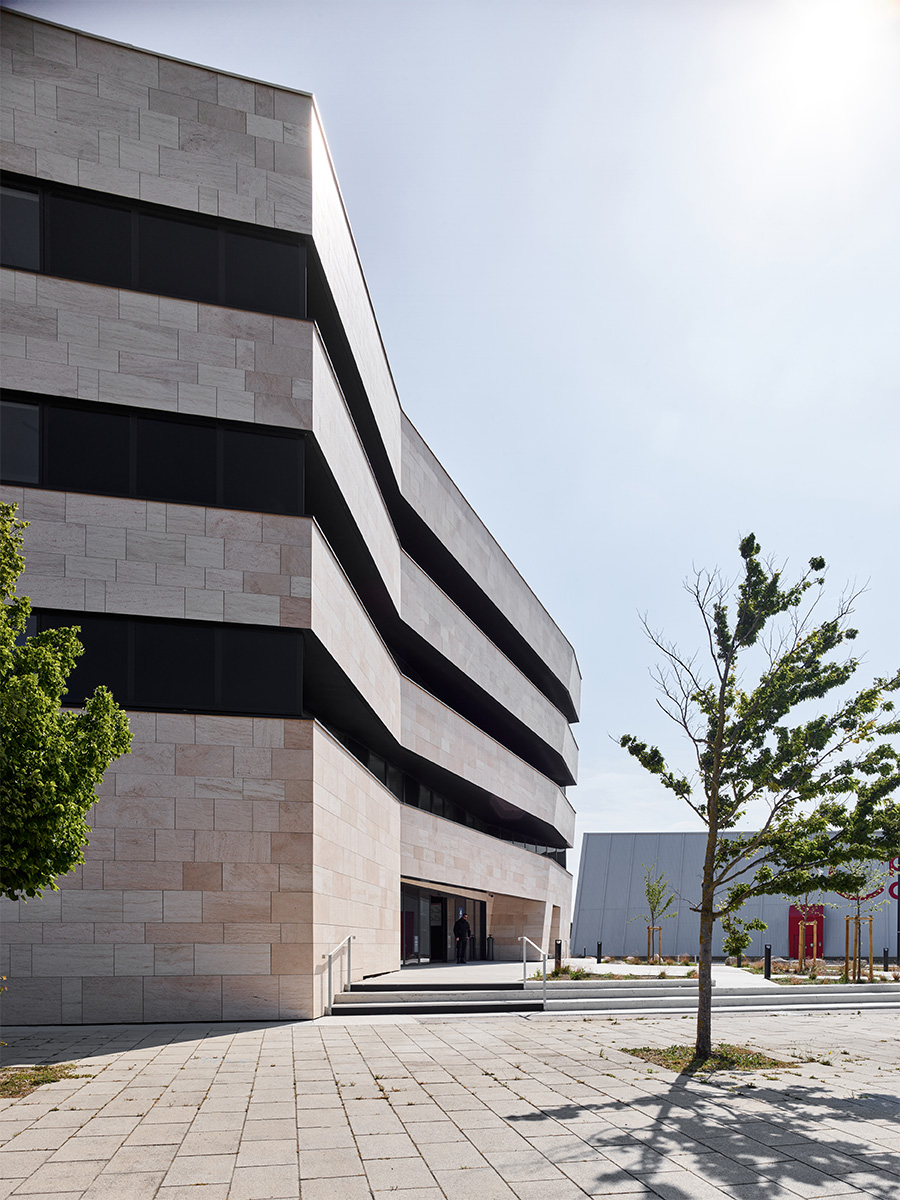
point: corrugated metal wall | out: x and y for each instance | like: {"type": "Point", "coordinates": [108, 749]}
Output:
{"type": "Point", "coordinates": [611, 892]}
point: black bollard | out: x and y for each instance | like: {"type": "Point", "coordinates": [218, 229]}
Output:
{"type": "Point", "coordinates": [584, 951]}
{"type": "Point", "coordinates": [740, 960]}
{"type": "Point", "coordinates": [768, 967]}
{"type": "Point", "coordinates": [490, 947]}
{"type": "Point", "coordinates": [599, 951]}
{"type": "Point", "coordinates": [557, 954]}
{"type": "Point", "coordinates": [885, 966]}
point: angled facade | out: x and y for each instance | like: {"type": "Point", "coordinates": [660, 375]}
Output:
{"type": "Point", "coordinates": [610, 906]}
{"type": "Point", "coordinates": [351, 716]}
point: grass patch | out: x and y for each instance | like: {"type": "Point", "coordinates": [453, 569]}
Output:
{"type": "Point", "coordinates": [19, 1081]}
{"type": "Point", "coordinates": [723, 1058]}
{"type": "Point", "coordinates": [564, 973]}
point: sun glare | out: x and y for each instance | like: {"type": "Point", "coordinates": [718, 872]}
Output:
{"type": "Point", "coordinates": [826, 62]}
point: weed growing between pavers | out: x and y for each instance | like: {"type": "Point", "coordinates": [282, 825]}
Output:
{"type": "Point", "coordinates": [20, 1081]}
{"type": "Point", "coordinates": [723, 1058]}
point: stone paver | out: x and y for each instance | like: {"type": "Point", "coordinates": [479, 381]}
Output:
{"type": "Point", "coordinates": [474, 1108]}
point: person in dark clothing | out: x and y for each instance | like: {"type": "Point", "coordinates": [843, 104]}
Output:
{"type": "Point", "coordinates": [462, 931]}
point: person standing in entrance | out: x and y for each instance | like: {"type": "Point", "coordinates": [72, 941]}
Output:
{"type": "Point", "coordinates": [462, 931]}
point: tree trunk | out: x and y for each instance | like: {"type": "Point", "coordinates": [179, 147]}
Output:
{"type": "Point", "coordinates": [703, 1047]}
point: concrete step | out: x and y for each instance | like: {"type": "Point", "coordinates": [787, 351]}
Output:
{"type": "Point", "coordinates": [419, 1006]}
{"type": "Point", "coordinates": [769, 998]}
{"type": "Point", "coordinates": [506, 992]}
{"type": "Point", "coordinates": [373, 985]}
{"type": "Point", "coordinates": [679, 995]}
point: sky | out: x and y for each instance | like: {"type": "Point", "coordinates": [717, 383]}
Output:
{"type": "Point", "coordinates": [636, 265]}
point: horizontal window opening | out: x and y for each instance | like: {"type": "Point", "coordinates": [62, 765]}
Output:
{"type": "Point", "coordinates": [79, 234]}
{"type": "Point", "coordinates": [102, 450]}
{"type": "Point", "coordinates": [416, 537]}
{"type": "Point", "coordinates": [161, 665]}
{"type": "Point", "coordinates": [185, 666]}
{"type": "Point", "coordinates": [416, 794]}
{"type": "Point", "coordinates": [105, 450]}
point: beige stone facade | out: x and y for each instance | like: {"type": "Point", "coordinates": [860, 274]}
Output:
{"type": "Point", "coordinates": [430, 747]}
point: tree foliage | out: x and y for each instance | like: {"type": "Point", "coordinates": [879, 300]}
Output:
{"type": "Point", "coordinates": [826, 780]}
{"type": "Point", "coordinates": [738, 933]}
{"type": "Point", "coordinates": [659, 896]}
{"type": "Point", "coordinates": [51, 759]}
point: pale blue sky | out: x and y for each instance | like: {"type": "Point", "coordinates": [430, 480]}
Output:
{"type": "Point", "coordinates": [637, 268]}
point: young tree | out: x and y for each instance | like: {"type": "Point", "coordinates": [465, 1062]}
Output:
{"type": "Point", "coordinates": [659, 896]}
{"type": "Point", "coordinates": [826, 779]}
{"type": "Point", "coordinates": [738, 934]}
{"type": "Point", "coordinates": [50, 759]}
{"type": "Point", "coordinates": [871, 897]}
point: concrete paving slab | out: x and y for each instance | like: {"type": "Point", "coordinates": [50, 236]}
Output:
{"type": "Point", "coordinates": [522, 1107]}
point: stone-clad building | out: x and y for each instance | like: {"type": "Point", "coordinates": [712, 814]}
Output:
{"type": "Point", "coordinates": [350, 714]}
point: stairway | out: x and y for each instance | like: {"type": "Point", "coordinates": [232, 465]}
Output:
{"type": "Point", "coordinates": [371, 998]}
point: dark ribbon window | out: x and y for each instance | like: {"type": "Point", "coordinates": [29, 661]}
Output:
{"type": "Point", "coordinates": [110, 453]}
{"type": "Point", "coordinates": [81, 235]}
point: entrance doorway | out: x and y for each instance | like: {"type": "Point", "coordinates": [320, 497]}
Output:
{"type": "Point", "coordinates": [426, 925]}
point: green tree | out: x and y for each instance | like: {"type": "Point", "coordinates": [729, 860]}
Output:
{"type": "Point", "coordinates": [871, 897]}
{"type": "Point", "coordinates": [659, 896]}
{"type": "Point", "coordinates": [738, 934]}
{"type": "Point", "coordinates": [825, 780]}
{"type": "Point", "coordinates": [51, 759]}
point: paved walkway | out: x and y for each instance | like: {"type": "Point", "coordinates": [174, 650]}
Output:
{"type": "Point", "coordinates": [528, 1107]}
{"type": "Point", "coordinates": [511, 972]}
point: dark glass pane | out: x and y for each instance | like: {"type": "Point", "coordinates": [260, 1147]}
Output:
{"type": "Point", "coordinates": [176, 462]}
{"type": "Point", "coordinates": [378, 767]}
{"type": "Point", "coordinates": [261, 275]}
{"type": "Point", "coordinates": [20, 442]}
{"type": "Point", "coordinates": [88, 241]}
{"type": "Point", "coordinates": [105, 658]}
{"type": "Point", "coordinates": [410, 791]}
{"type": "Point", "coordinates": [20, 229]}
{"type": "Point", "coordinates": [262, 473]}
{"type": "Point", "coordinates": [260, 671]}
{"type": "Point", "coordinates": [177, 258]}
{"type": "Point", "coordinates": [174, 666]}
{"type": "Point", "coordinates": [87, 451]}
{"type": "Point", "coordinates": [395, 781]}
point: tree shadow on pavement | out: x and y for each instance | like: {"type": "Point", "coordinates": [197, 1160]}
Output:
{"type": "Point", "coordinates": [745, 1140]}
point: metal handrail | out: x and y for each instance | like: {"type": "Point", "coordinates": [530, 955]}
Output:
{"type": "Point", "coordinates": [330, 956]}
{"type": "Point", "coordinates": [543, 954]}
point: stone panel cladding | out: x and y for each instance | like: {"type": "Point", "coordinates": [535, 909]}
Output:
{"type": "Point", "coordinates": [426, 726]}
{"type": "Point", "coordinates": [201, 360]}
{"type": "Point", "coordinates": [86, 342]}
{"type": "Point", "coordinates": [356, 866]}
{"type": "Point", "coordinates": [439, 502]}
{"type": "Point", "coordinates": [431, 613]}
{"type": "Point", "coordinates": [194, 896]}
{"type": "Point", "coordinates": [104, 554]}
{"type": "Point", "coordinates": [337, 251]}
{"type": "Point", "coordinates": [228, 856]}
{"type": "Point", "coordinates": [80, 110]}
{"type": "Point", "coordinates": [453, 857]}
{"type": "Point", "coordinates": [83, 111]}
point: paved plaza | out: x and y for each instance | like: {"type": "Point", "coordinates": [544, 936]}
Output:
{"type": "Point", "coordinates": [534, 1107]}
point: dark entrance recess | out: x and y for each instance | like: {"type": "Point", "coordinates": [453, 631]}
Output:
{"type": "Point", "coordinates": [427, 918]}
